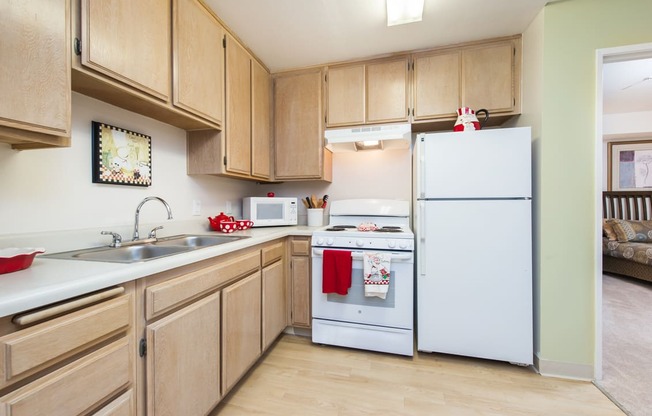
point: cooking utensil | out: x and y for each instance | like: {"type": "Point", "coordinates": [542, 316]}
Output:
{"type": "Point", "coordinates": [308, 201]}
{"type": "Point", "coordinates": [313, 201]}
{"type": "Point", "coordinates": [14, 259]}
{"type": "Point", "coordinates": [325, 201]}
{"type": "Point", "coordinates": [305, 203]}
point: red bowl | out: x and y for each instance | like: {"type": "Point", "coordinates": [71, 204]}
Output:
{"type": "Point", "coordinates": [14, 259]}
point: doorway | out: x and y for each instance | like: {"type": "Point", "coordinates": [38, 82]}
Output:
{"type": "Point", "coordinates": [605, 128]}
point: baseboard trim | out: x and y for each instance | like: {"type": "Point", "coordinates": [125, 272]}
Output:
{"type": "Point", "coordinates": [560, 369]}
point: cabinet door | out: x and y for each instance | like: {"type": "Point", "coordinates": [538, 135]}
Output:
{"type": "Point", "coordinates": [298, 127]}
{"type": "Point", "coordinates": [488, 77]}
{"type": "Point", "coordinates": [198, 61]}
{"type": "Point", "coordinates": [436, 85]}
{"type": "Point", "coordinates": [261, 121]}
{"type": "Point", "coordinates": [301, 291]}
{"type": "Point", "coordinates": [129, 41]}
{"type": "Point", "coordinates": [35, 56]}
{"type": "Point", "coordinates": [238, 108]}
{"type": "Point", "coordinates": [75, 388]}
{"type": "Point", "coordinates": [346, 95]}
{"type": "Point", "coordinates": [241, 332]}
{"type": "Point", "coordinates": [274, 302]}
{"type": "Point", "coordinates": [387, 91]}
{"type": "Point", "coordinates": [183, 360]}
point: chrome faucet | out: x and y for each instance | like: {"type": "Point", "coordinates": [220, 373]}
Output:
{"type": "Point", "coordinates": [149, 198]}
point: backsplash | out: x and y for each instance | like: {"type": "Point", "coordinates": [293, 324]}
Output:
{"type": "Point", "coordinates": [50, 190]}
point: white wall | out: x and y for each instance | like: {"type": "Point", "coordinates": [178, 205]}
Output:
{"type": "Point", "coordinates": [51, 189]}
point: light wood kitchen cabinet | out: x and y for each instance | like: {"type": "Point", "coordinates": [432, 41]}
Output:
{"type": "Point", "coordinates": [70, 358]}
{"type": "Point", "coordinates": [299, 127]}
{"type": "Point", "coordinates": [274, 287]}
{"type": "Point", "coordinates": [238, 108]}
{"type": "Point", "coordinates": [478, 75]}
{"type": "Point", "coordinates": [368, 93]}
{"type": "Point", "coordinates": [35, 82]}
{"type": "Point", "coordinates": [183, 360]}
{"type": "Point", "coordinates": [300, 281]}
{"type": "Point", "coordinates": [198, 57]}
{"type": "Point", "coordinates": [242, 149]}
{"type": "Point", "coordinates": [241, 329]}
{"type": "Point", "coordinates": [261, 121]}
{"type": "Point", "coordinates": [159, 58]}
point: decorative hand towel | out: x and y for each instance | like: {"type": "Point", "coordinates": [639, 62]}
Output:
{"type": "Point", "coordinates": [336, 272]}
{"type": "Point", "coordinates": [376, 274]}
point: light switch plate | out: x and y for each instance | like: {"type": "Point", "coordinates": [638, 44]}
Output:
{"type": "Point", "coordinates": [228, 207]}
{"type": "Point", "coordinates": [196, 207]}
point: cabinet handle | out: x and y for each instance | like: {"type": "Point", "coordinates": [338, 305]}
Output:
{"type": "Point", "coordinates": [43, 314]}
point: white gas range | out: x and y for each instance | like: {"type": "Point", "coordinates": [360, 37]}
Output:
{"type": "Point", "coordinates": [371, 226]}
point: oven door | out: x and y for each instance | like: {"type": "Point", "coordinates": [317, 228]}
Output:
{"type": "Point", "coordinates": [395, 311]}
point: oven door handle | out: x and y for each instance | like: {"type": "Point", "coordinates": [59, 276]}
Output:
{"type": "Point", "coordinates": [357, 255]}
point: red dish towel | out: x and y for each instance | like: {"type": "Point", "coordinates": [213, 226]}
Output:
{"type": "Point", "coordinates": [336, 273]}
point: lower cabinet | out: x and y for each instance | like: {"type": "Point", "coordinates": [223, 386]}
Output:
{"type": "Point", "coordinates": [241, 329]}
{"type": "Point", "coordinates": [300, 281]}
{"type": "Point", "coordinates": [183, 360]}
{"type": "Point", "coordinates": [70, 358]}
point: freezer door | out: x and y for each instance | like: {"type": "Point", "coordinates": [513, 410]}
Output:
{"type": "Point", "coordinates": [483, 164]}
{"type": "Point", "coordinates": [474, 279]}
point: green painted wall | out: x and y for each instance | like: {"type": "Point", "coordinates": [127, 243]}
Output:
{"type": "Point", "coordinates": [572, 32]}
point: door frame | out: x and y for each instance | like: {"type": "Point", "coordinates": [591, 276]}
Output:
{"type": "Point", "coordinates": [605, 55]}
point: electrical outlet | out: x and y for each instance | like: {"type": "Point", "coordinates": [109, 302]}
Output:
{"type": "Point", "coordinates": [196, 207]}
{"type": "Point", "coordinates": [228, 207]}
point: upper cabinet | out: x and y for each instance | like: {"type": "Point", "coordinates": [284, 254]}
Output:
{"type": "Point", "coordinates": [298, 127]}
{"type": "Point", "coordinates": [160, 58]}
{"type": "Point", "coordinates": [198, 57]}
{"type": "Point", "coordinates": [35, 81]}
{"type": "Point", "coordinates": [242, 149]}
{"type": "Point", "coordinates": [368, 93]}
{"type": "Point", "coordinates": [479, 75]}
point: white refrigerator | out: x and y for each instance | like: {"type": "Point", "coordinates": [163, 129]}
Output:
{"type": "Point", "coordinates": [472, 220]}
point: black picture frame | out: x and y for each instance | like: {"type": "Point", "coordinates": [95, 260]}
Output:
{"type": "Point", "coordinates": [121, 156]}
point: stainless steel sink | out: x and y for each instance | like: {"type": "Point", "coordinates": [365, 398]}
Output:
{"type": "Point", "coordinates": [133, 252]}
{"type": "Point", "coordinates": [198, 241]}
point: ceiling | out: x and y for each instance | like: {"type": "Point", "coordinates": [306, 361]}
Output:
{"type": "Point", "coordinates": [625, 87]}
{"type": "Point", "coordinates": [290, 34]}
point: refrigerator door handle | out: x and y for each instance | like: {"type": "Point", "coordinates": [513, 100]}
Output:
{"type": "Point", "coordinates": [422, 238]}
{"type": "Point", "coordinates": [421, 184]}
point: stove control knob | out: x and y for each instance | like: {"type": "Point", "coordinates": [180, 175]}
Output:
{"type": "Point", "coordinates": [403, 244]}
{"type": "Point", "coordinates": [359, 243]}
{"type": "Point", "coordinates": [391, 244]}
{"type": "Point", "coordinates": [320, 241]}
{"type": "Point", "coordinates": [329, 242]}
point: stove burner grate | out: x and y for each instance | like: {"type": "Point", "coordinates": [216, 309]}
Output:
{"type": "Point", "coordinates": [389, 230]}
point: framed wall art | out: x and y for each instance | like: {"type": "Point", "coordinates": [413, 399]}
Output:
{"type": "Point", "coordinates": [121, 157]}
{"type": "Point", "coordinates": [629, 165]}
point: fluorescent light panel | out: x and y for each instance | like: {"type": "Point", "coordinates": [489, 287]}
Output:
{"type": "Point", "coordinates": [400, 12]}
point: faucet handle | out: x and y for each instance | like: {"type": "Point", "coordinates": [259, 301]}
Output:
{"type": "Point", "coordinates": [152, 234]}
{"type": "Point", "coordinates": [117, 238]}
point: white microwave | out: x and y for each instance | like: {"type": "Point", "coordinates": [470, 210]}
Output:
{"type": "Point", "coordinates": [270, 211]}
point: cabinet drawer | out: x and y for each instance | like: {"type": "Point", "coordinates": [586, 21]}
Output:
{"type": "Point", "coordinates": [300, 247]}
{"type": "Point", "coordinates": [32, 349]}
{"type": "Point", "coordinates": [163, 297]}
{"type": "Point", "coordinates": [75, 388]}
{"type": "Point", "coordinates": [122, 406]}
{"type": "Point", "coordinates": [272, 253]}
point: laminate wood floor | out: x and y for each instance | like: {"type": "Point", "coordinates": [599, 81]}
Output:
{"type": "Point", "coordinates": [297, 377]}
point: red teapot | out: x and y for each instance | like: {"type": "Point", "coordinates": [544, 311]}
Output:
{"type": "Point", "coordinates": [215, 222]}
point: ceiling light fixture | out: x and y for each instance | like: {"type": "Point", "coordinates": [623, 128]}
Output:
{"type": "Point", "coordinates": [400, 12]}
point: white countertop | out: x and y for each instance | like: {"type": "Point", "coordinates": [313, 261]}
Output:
{"type": "Point", "coordinates": [52, 280]}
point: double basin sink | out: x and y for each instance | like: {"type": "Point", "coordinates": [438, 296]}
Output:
{"type": "Point", "coordinates": [151, 249]}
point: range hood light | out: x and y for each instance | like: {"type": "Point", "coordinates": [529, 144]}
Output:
{"type": "Point", "coordinates": [383, 136]}
{"type": "Point", "coordinates": [369, 145]}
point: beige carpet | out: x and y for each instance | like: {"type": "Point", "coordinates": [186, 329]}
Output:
{"type": "Point", "coordinates": [627, 343]}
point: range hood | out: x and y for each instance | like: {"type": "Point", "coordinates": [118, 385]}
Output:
{"type": "Point", "coordinates": [384, 136]}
